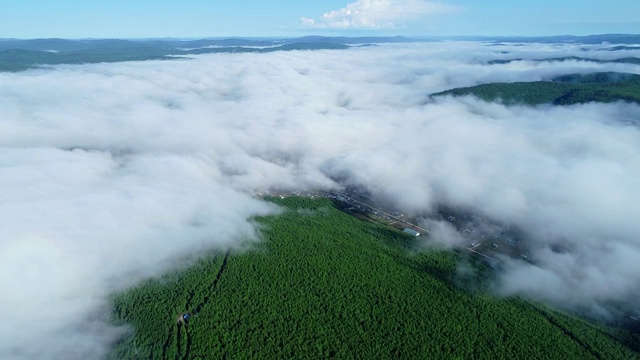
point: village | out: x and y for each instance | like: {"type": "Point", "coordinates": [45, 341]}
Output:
{"type": "Point", "coordinates": [484, 240]}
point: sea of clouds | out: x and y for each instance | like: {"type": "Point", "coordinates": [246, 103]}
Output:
{"type": "Point", "coordinates": [111, 173]}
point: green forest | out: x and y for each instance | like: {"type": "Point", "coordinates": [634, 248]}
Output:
{"type": "Point", "coordinates": [22, 59]}
{"type": "Point", "coordinates": [324, 284]}
{"type": "Point", "coordinates": [625, 60]}
{"type": "Point", "coordinates": [564, 90]}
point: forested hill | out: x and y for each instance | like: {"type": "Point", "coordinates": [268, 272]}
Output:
{"type": "Point", "coordinates": [23, 59]}
{"type": "Point", "coordinates": [564, 90]}
{"type": "Point", "coordinates": [18, 55]}
{"type": "Point", "coordinates": [324, 284]}
{"type": "Point", "coordinates": [625, 60]}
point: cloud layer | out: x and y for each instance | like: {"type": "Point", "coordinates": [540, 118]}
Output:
{"type": "Point", "coordinates": [111, 173]}
{"type": "Point", "coordinates": [377, 14]}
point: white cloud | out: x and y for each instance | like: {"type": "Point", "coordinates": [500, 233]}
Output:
{"type": "Point", "coordinates": [377, 14]}
{"type": "Point", "coordinates": [111, 173]}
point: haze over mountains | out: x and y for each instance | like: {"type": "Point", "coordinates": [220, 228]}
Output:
{"type": "Point", "coordinates": [17, 55]}
{"type": "Point", "coordinates": [115, 172]}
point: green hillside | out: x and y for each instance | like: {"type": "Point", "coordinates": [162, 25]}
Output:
{"type": "Point", "coordinates": [323, 284]}
{"type": "Point", "coordinates": [626, 60]}
{"type": "Point", "coordinates": [564, 90]}
{"type": "Point", "coordinates": [21, 59]}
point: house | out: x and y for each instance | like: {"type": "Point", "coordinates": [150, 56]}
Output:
{"type": "Point", "coordinates": [411, 231]}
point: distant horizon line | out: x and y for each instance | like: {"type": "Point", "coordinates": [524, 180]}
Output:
{"type": "Point", "coordinates": [325, 36]}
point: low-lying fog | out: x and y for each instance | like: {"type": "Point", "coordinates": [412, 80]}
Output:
{"type": "Point", "coordinates": [111, 172]}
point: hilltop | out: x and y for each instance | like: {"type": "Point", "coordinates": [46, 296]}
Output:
{"type": "Point", "coordinates": [563, 90]}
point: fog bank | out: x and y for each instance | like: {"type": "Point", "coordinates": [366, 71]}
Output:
{"type": "Point", "coordinates": [111, 173]}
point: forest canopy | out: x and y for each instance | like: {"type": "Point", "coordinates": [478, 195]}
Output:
{"type": "Point", "coordinates": [324, 284]}
{"type": "Point", "coordinates": [563, 90]}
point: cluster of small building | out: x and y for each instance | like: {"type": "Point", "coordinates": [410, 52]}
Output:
{"type": "Point", "coordinates": [475, 237]}
{"type": "Point", "coordinates": [396, 218]}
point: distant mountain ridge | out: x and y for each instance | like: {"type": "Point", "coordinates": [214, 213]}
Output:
{"type": "Point", "coordinates": [40, 54]}
{"type": "Point", "coordinates": [64, 45]}
{"type": "Point", "coordinates": [18, 55]}
{"type": "Point", "coordinates": [588, 39]}
{"type": "Point", "coordinates": [85, 44]}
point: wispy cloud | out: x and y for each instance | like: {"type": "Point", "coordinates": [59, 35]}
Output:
{"type": "Point", "coordinates": [377, 14]}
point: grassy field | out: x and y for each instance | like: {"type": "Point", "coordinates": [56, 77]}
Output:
{"type": "Point", "coordinates": [564, 90]}
{"type": "Point", "coordinates": [323, 284]}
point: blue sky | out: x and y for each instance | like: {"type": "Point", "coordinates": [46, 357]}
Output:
{"type": "Point", "coordinates": [199, 18]}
